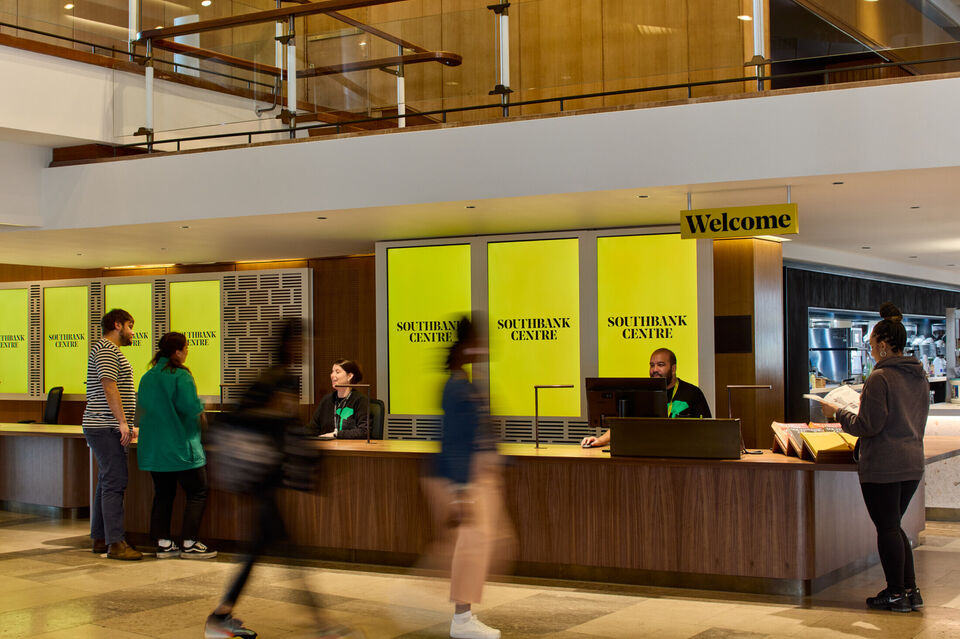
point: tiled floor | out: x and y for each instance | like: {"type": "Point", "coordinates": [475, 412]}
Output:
{"type": "Point", "coordinates": [51, 586]}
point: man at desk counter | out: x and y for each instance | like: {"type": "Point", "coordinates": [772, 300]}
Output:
{"type": "Point", "coordinates": [683, 399]}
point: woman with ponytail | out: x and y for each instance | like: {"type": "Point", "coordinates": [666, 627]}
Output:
{"type": "Point", "coordinates": [170, 448]}
{"type": "Point", "coordinates": [890, 426]}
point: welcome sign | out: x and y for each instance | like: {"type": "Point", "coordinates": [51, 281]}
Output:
{"type": "Point", "coordinates": [14, 350]}
{"type": "Point", "coordinates": [428, 293]}
{"type": "Point", "coordinates": [739, 221]}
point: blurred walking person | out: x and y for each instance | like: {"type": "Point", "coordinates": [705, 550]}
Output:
{"type": "Point", "coordinates": [465, 488]}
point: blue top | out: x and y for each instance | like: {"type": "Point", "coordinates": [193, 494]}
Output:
{"type": "Point", "coordinates": [464, 430]}
{"type": "Point", "coordinates": [169, 412]}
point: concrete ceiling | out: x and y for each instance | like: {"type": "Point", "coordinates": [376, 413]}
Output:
{"type": "Point", "coordinates": [908, 219]}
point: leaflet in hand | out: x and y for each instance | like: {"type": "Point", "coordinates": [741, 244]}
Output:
{"type": "Point", "coordinates": [843, 396]}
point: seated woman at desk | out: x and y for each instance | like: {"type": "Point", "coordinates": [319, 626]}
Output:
{"type": "Point", "coordinates": [344, 412]}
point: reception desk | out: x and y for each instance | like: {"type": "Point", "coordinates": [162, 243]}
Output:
{"type": "Point", "coordinates": [765, 523]}
{"type": "Point", "coordinates": [44, 468]}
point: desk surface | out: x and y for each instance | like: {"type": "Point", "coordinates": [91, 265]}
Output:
{"type": "Point", "coordinates": [936, 448]}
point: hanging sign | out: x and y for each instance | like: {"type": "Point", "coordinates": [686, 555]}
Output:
{"type": "Point", "coordinates": [739, 221]}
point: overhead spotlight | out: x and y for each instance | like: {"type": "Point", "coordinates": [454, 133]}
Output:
{"type": "Point", "coordinates": [206, 3]}
{"type": "Point", "coordinates": [362, 43]}
{"type": "Point", "coordinates": [865, 248]}
{"type": "Point", "coordinates": [185, 226]}
{"type": "Point", "coordinates": [914, 207]}
{"type": "Point", "coordinates": [470, 206]}
{"type": "Point", "coordinates": [320, 217]}
{"type": "Point", "coordinates": [68, 6]}
{"type": "Point", "coordinates": [745, 18]}
{"type": "Point", "coordinates": [835, 183]}
{"type": "Point", "coordinates": [643, 197]}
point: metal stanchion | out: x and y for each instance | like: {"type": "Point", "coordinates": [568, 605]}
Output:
{"type": "Point", "coordinates": [366, 386]}
{"type": "Point", "coordinates": [743, 449]}
{"type": "Point", "coordinates": [536, 408]}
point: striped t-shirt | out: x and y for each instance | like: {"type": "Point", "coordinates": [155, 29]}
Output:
{"type": "Point", "coordinates": [106, 361]}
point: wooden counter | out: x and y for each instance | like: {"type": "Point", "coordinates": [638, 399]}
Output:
{"type": "Point", "coordinates": [765, 523]}
{"type": "Point", "coordinates": [44, 468]}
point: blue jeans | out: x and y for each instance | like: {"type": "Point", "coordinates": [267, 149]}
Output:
{"type": "Point", "coordinates": [106, 514]}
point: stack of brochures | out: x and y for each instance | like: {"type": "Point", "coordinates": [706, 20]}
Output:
{"type": "Point", "coordinates": [821, 443]}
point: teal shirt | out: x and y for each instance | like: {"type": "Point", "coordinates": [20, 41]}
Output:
{"type": "Point", "coordinates": [169, 420]}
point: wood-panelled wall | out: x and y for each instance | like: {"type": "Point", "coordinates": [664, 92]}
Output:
{"type": "Point", "coordinates": [804, 289]}
{"type": "Point", "coordinates": [344, 302]}
{"type": "Point", "coordinates": [748, 281]}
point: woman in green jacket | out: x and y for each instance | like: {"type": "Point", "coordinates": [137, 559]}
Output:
{"type": "Point", "coordinates": [169, 447]}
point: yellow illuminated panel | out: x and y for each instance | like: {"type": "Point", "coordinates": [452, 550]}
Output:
{"type": "Point", "coordinates": [534, 297]}
{"type": "Point", "coordinates": [646, 299]}
{"type": "Point", "coordinates": [14, 340]}
{"type": "Point", "coordinates": [66, 326]}
{"type": "Point", "coordinates": [195, 312]}
{"type": "Point", "coordinates": [428, 291]}
{"type": "Point", "coordinates": [136, 299]}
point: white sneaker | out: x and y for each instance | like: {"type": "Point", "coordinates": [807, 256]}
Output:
{"type": "Point", "coordinates": [473, 629]}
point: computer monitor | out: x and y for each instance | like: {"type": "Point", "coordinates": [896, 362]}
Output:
{"type": "Point", "coordinates": [625, 397]}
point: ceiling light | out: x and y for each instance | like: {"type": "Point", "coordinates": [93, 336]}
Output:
{"type": "Point", "coordinates": [643, 197]}
{"type": "Point", "coordinates": [68, 6]}
{"type": "Point", "coordinates": [745, 18]}
{"type": "Point", "coordinates": [320, 217]}
{"type": "Point", "coordinates": [838, 183]}
{"type": "Point", "coordinates": [470, 206]}
{"type": "Point", "coordinates": [772, 238]}
{"type": "Point", "coordinates": [363, 43]}
{"type": "Point", "coordinates": [912, 257]}
{"type": "Point", "coordinates": [206, 3]}
{"type": "Point", "coordinates": [185, 226]}
{"type": "Point", "coordinates": [79, 254]}
{"type": "Point", "coordinates": [914, 207]}
{"type": "Point", "coordinates": [132, 266]}
{"type": "Point", "coordinates": [865, 248]}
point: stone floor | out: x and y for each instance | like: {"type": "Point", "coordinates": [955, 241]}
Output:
{"type": "Point", "coordinates": [51, 586]}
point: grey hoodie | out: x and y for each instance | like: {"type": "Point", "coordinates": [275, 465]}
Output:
{"type": "Point", "coordinates": [893, 416]}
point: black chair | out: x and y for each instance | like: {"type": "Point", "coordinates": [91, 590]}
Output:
{"type": "Point", "coordinates": [377, 411]}
{"type": "Point", "coordinates": [51, 412]}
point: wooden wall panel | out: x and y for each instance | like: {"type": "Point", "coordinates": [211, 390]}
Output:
{"type": "Point", "coordinates": [45, 471]}
{"type": "Point", "coordinates": [748, 281]}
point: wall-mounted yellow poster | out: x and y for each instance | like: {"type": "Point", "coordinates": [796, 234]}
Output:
{"type": "Point", "coordinates": [14, 340]}
{"type": "Point", "coordinates": [136, 299]}
{"type": "Point", "coordinates": [66, 333]}
{"type": "Point", "coordinates": [534, 302]}
{"type": "Point", "coordinates": [195, 312]}
{"type": "Point", "coordinates": [428, 292]}
{"type": "Point", "coordinates": [646, 299]}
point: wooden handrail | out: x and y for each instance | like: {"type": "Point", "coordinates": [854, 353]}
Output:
{"type": "Point", "coordinates": [377, 32]}
{"type": "Point", "coordinates": [257, 17]}
{"type": "Point", "coordinates": [444, 57]}
{"type": "Point", "coordinates": [216, 56]}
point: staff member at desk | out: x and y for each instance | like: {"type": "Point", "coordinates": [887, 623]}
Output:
{"type": "Point", "coordinates": [683, 399]}
{"type": "Point", "coordinates": [342, 413]}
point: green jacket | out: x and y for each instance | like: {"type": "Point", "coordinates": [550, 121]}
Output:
{"type": "Point", "coordinates": [169, 420]}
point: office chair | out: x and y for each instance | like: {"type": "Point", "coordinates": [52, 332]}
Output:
{"type": "Point", "coordinates": [51, 412]}
{"type": "Point", "coordinates": [377, 413]}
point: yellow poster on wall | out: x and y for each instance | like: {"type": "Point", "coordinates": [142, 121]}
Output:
{"type": "Point", "coordinates": [14, 340]}
{"type": "Point", "coordinates": [428, 293]}
{"type": "Point", "coordinates": [195, 312]}
{"type": "Point", "coordinates": [646, 299]}
{"type": "Point", "coordinates": [534, 302]}
{"type": "Point", "coordinates": [66, 336]}
{"type": "Point", "coordinates": [136, 299]}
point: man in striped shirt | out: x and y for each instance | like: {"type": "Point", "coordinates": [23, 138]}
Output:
{"type": "Point", "coordinates": [108, 426]}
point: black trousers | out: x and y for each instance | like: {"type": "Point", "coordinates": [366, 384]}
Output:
{"type": "Point", "coordinates": [194, 484]}
{"type": "Point", "coordinates": [269, 529]}
{"type": "Point", "coordinates": [886, 504]}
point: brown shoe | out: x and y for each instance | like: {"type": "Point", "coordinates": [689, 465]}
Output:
{"type": "Point", "coordinates": [99, 546]}
{"type": "Point", "coordinates": [123, 551]}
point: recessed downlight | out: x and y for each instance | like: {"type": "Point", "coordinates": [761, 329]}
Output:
{"type": "Point", "coordinates": [914, 207]}
{"type": "Point", "coordinates": [912, 257]}
{"type": "Point", "coordinates": [184, 226]}
{"type": "Point", "coordinates": [68, 6]}
{"type": "Point", "coordinates": [643, 197]}
{"type": "Point", "coordinates": [206, 3]}
{"type": "Point", "coordinates": [470, 206]}
{"type": "Point", "coordinates": [865, 248]}
{"type": "Point", "coordinates": [320, 217]}
{"type": "Point", "coordinates": [745, 18]}
{"type": "Point", "coordinates": [835, 183]}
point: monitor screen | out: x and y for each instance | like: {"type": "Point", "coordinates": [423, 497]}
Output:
{"type": "Point", "coordinates": [625, 397]}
